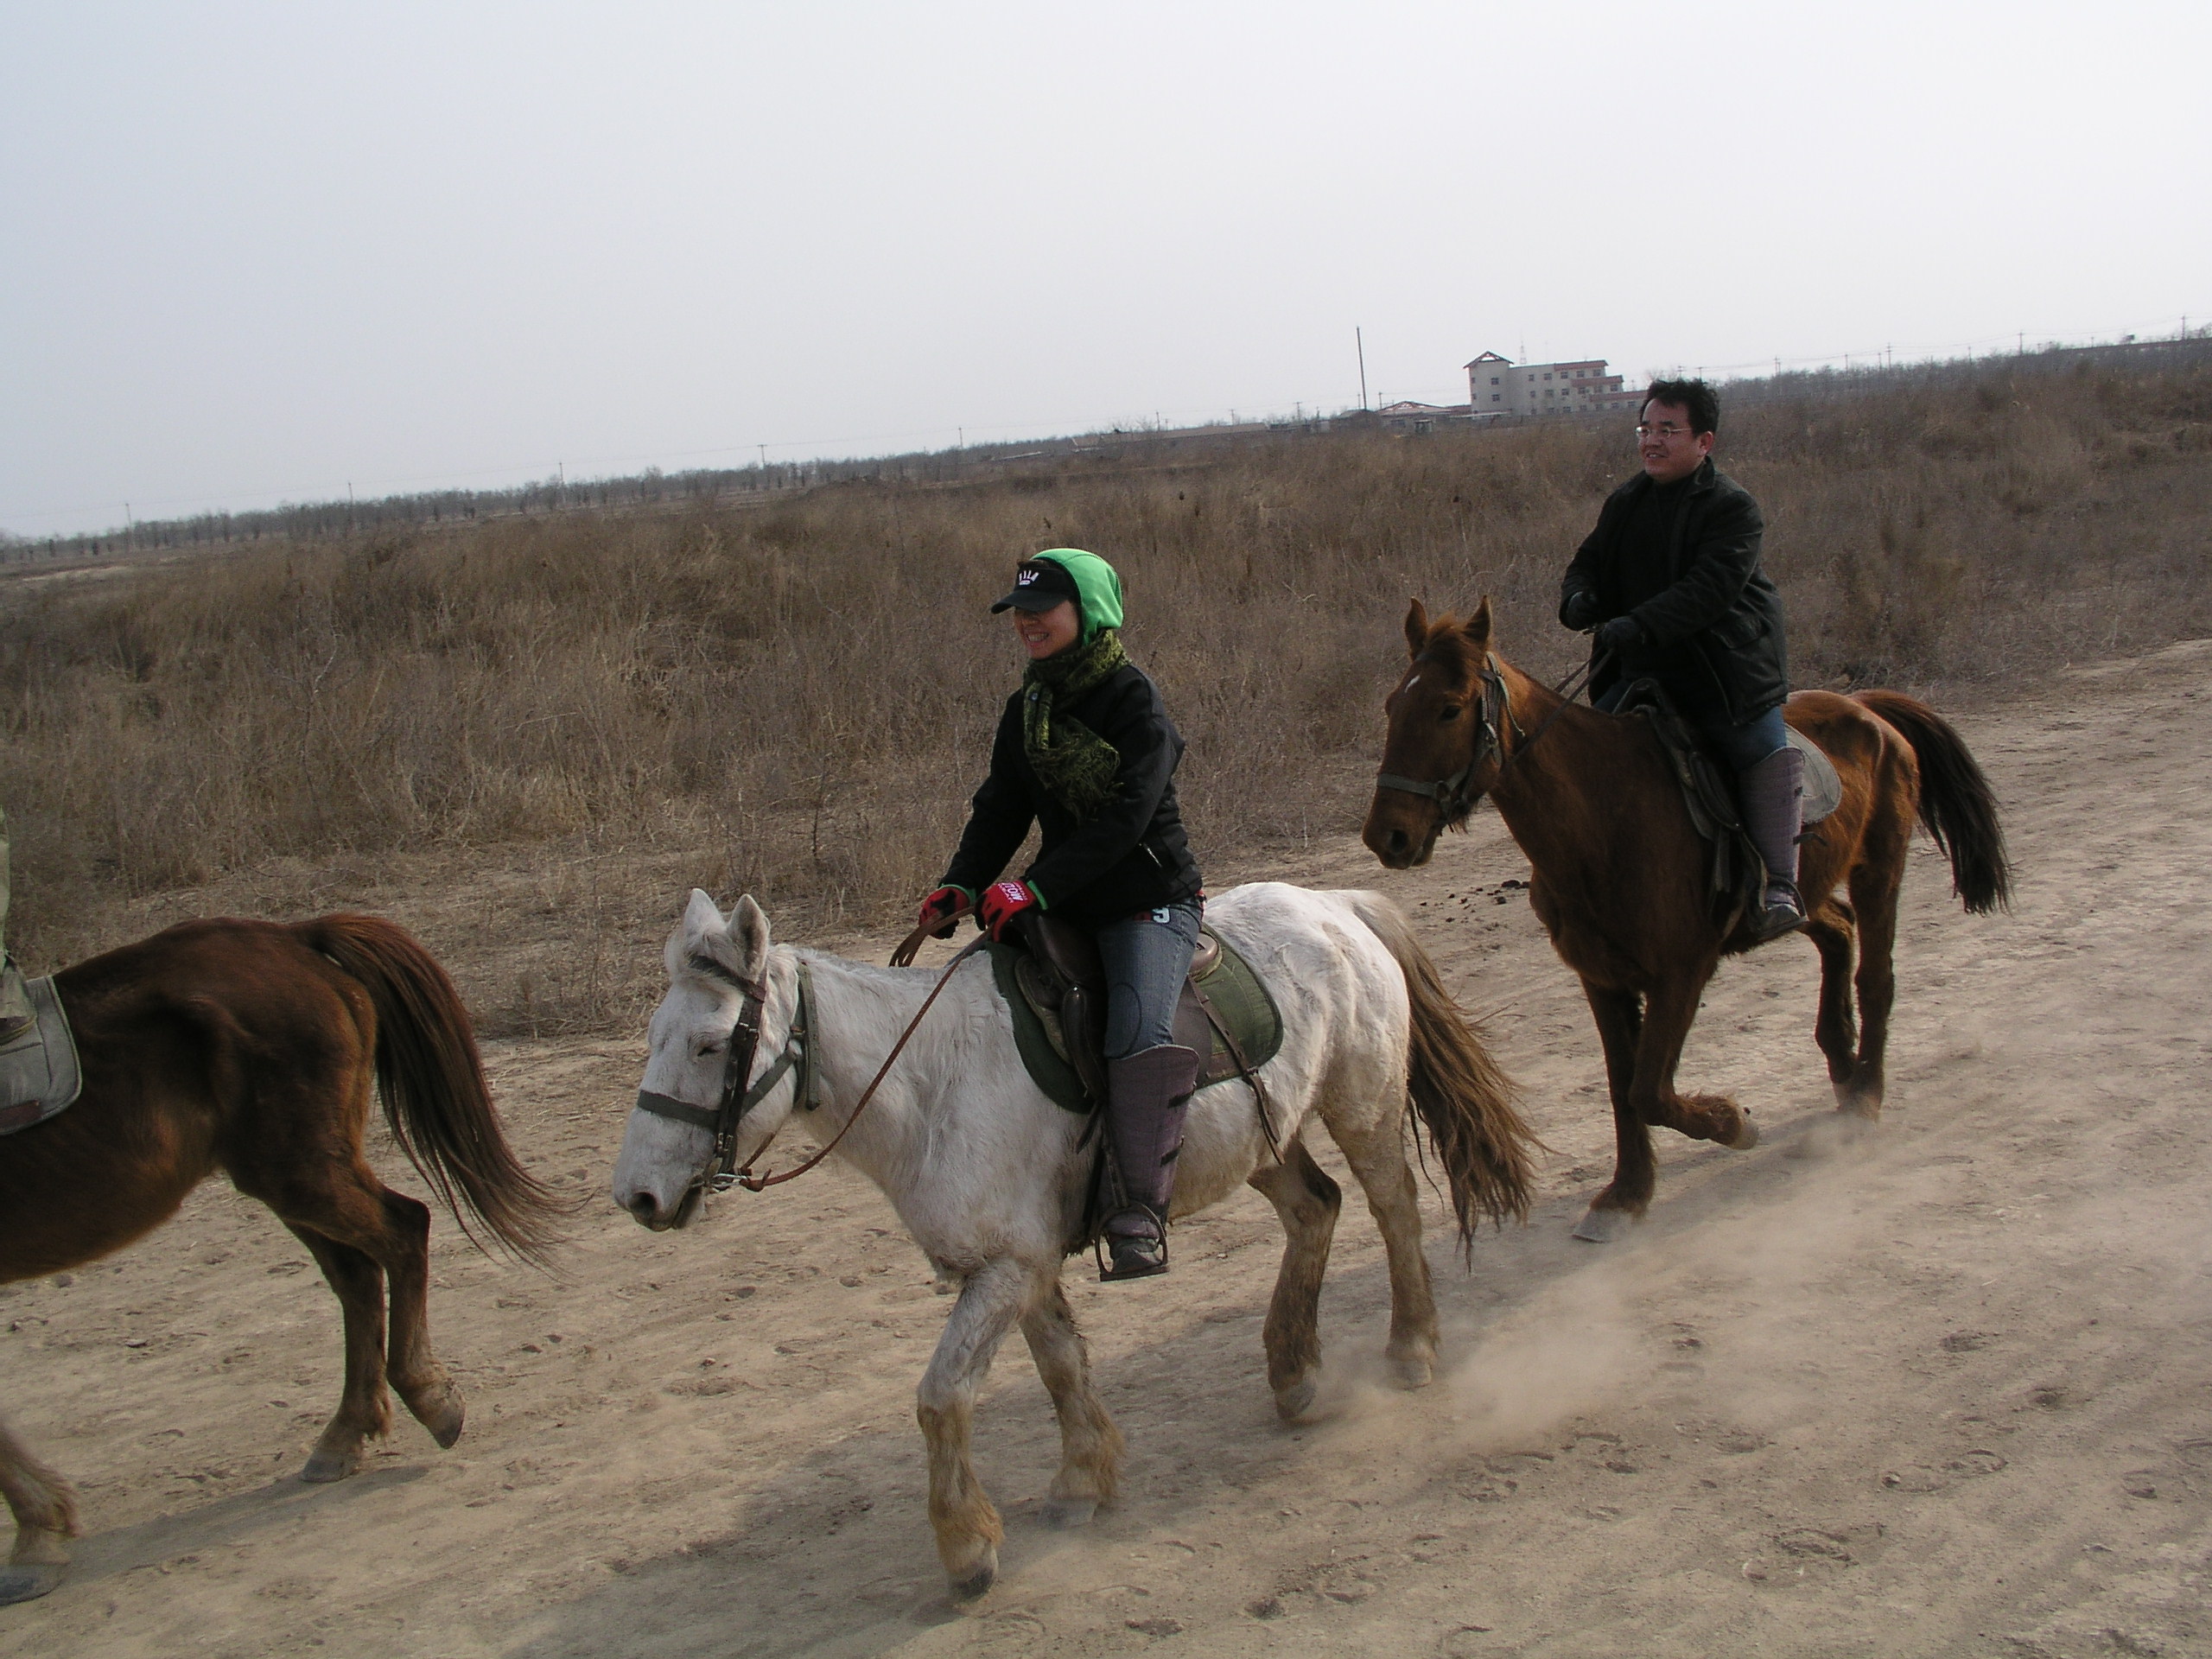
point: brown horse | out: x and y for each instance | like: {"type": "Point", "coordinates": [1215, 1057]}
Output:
{"type": "Point", "coordinates": [249, 1047]}
{"type": "Point", "coordinates": [1618, 874]}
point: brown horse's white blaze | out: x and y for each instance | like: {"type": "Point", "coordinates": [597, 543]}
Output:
{"type": "Point", "coordinates": [253, 1048]}
{"type": "Point", "coordinates": [1617, 872]}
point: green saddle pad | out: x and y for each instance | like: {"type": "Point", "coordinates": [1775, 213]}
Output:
{"type": "Point", "coordinates": [1230, 986]}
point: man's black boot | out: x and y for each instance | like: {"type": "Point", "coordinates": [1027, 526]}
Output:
{"type": "Point", "coordinates": [1147, 1096]}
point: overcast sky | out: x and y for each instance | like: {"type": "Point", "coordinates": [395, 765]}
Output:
{"type": "Point", "coordinates": [254, 252]}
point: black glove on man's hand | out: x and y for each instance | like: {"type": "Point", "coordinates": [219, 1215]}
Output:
{"type": "Point", "coordinates": [1579, 610]}
{"type": "Point", "coordinates": [1619, 634]}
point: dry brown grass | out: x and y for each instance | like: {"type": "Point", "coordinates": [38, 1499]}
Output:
{"type": "Point", "coordinates": [558, 723]}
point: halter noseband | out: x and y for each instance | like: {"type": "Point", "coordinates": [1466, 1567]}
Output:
{"type": "Point", "coordinates": [721, 1172]}
{"type": "Point", "coordinates": [1449, 793]}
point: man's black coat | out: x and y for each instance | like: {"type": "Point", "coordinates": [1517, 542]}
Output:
{"type": "Point", "coordinates": [1713, 627]}
{"type": "Point", "coordinates": [1130, 854]}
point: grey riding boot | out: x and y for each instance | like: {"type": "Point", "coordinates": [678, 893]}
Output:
{"type": "Point", "coordinates": [1147, 1096]}
{"type": "Point", "coordinates": [1773, 793]}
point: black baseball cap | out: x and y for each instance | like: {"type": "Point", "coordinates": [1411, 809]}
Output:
{"type": "Point", "coordinates": [1038, 585]}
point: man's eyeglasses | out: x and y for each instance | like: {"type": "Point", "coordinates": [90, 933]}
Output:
{"type": "Point", "coordinates": [1667, 433]}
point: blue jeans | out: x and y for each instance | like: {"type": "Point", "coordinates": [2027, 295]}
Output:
{"type": "Point", "coordinates": [1147, 958]}
{"type": "Point", "coordinates": [1744, 746]}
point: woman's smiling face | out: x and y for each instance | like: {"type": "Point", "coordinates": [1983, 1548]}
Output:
{"type": "Point", "coordinates": [1044, 633]}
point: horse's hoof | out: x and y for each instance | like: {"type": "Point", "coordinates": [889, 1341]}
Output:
{"type": "Point", "coordinates": [1414, 1370]}
{"type": "Point", "coordinates": [985, 1574]}
{"type": "Point", "coordinates": [441, 1410]}
{"type": "Point", "coordinates": [29, 1580]}
{"type": "Point", "coordinates": [1746, 1138]}
{"type": "Point", "coordinates": [1602, 1226]}
{"type": "Point", "coordinates": [323, 1467]}
{"type": "Point", "coordinates": [1066, 1513]}
{"type": "Point", "coordinates": [1293, 1402]}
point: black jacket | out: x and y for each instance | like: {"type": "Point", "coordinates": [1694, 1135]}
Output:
{"type": "Point", "coordinates": [1713, 629]}
{"type": "Point", "coordinates": [1130, 855]}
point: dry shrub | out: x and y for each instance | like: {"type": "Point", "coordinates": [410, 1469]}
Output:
{"type": "Point", "coordinates": [796, 700]}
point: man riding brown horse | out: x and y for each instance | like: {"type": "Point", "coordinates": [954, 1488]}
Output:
{"type": "Point", "coordinates": [1670, 582]}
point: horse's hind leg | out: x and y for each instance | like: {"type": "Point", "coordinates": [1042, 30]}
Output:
{"type": "Point", "coordinates": [1091, 1446]}
{"type": "Point", "coordinates": [363, 1234]}
{"type": "Point", "coordinates": [364, 1409]}
{"type": "Point", "coordinates": [1307, 1201]}
{"type": "Point", "coordinates": [1837, 1028]}
{"type": "Point", "coordinates": [969, 1530]}
{"type": "Point", "coordinates": [45, 1510]}
{"type": "Point", "coordinates": [1874, 897]}
{"type": "Point", "coordinates": [1378, 1158]}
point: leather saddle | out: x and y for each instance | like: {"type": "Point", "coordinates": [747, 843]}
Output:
{"type": "Point", "coordinates": [1709, 791]}
{"type": "Point", "coordinates": [1062, 974]}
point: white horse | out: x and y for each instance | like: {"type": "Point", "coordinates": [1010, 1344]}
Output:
{"type": "Point", "coordinates": [988, 1176]}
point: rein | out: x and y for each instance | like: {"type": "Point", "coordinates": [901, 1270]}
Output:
{"type": "Point", "coordinates": [1449, 793]}
{"type": "Point", "coordinates": [721, 1172]}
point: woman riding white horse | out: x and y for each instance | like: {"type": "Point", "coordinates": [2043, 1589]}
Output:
{"type": "Point", "coordinates": [989, 1176]}
{"type": "Point", "coordinates": [1085, 751]}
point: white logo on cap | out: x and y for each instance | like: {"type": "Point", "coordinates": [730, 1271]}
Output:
{"type": "Point", "coordinates": [1023, 578]}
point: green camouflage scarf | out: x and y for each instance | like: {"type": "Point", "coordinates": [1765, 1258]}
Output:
{"type": "Point", "coordinates": [1075, 766]}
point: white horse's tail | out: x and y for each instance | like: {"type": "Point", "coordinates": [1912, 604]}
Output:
{"type": "Point", "coordinates": [1462, 1097]}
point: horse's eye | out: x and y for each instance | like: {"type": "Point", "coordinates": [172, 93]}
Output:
{"type": "Point", "coordinates": [706, 1049]}
{"type": "Point", "coordinates": [1450, 711]}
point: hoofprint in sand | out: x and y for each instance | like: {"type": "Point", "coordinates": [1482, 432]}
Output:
{"type": "Point", "coordinates": [1946, 1394]}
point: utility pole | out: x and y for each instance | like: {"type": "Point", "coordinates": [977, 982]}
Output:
{"type": "Point", "coordinates": [1360, 341]}
{"type": "Point", "coordinates": [763, 449]}
{"type": "Point", "coordinates": [2023, 343]}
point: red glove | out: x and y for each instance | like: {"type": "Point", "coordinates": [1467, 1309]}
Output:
{"type": "Point", "coordinates": [1002, 902]}
{"type": "Point", "coordinates": [939, 907]}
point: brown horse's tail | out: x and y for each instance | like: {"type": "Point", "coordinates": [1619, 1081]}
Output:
{"type": "Point", "coordinates": [1957, 804]}
{"type": "Point", "coordinates": [435, 1098]}
{"type": "Point", "coordinates": [1463, 1098]}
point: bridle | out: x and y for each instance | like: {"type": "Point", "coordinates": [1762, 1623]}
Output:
{"type": "Point", "coordinates": [1450, 794]}
{"type": "Point", "coordinates": [1452, 798]}
{"type": "Point", "coordinates": [735, 1099]}
{"type": "Point", "coordinates": [721, 1172]}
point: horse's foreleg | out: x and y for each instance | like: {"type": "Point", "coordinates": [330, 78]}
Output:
{"type": "Point", "coordinates": [1378, 1160]}
{"type": "Point", "coordinates": [1091, 1446]}
{"type": "Point", "coordinates": [1307, 1201]}
{"type": "Point", "coordinates": [364, 1409]}
{"type": "Point", "coordinates": [967, 1528]}
{"type": "Point", "coordinates": [45, 1512]}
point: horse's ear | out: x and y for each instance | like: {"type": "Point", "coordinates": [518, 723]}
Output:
{"type": "Point", "coordinates": [748, 936]}
{"type": "Point", "coordinates": [1416, 627]}
{"type": "Point", "coordinates": [1477, 628]}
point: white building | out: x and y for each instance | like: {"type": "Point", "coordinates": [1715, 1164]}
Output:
{"type": "Point", "coordinates": [1498, 386]}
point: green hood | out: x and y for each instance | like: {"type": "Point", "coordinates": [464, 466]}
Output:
{"type": "Point", "coordinates": [1096, 581]}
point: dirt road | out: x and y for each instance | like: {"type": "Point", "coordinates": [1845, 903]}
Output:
{"type": "Point", "coordinates": [1950, 1394]}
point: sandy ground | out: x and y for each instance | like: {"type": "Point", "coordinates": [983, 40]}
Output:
{"type": "Point", "coordinates": [1949, 1394]}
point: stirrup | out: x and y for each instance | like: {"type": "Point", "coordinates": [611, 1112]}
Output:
{"type": "Point", "coordinates": [1134, 1255]}
{"type": "Point", "coordinates": [1771, 920]}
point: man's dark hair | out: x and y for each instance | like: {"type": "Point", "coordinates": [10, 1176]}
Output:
{"type": "Point", "coordinates": [1699, 399]}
